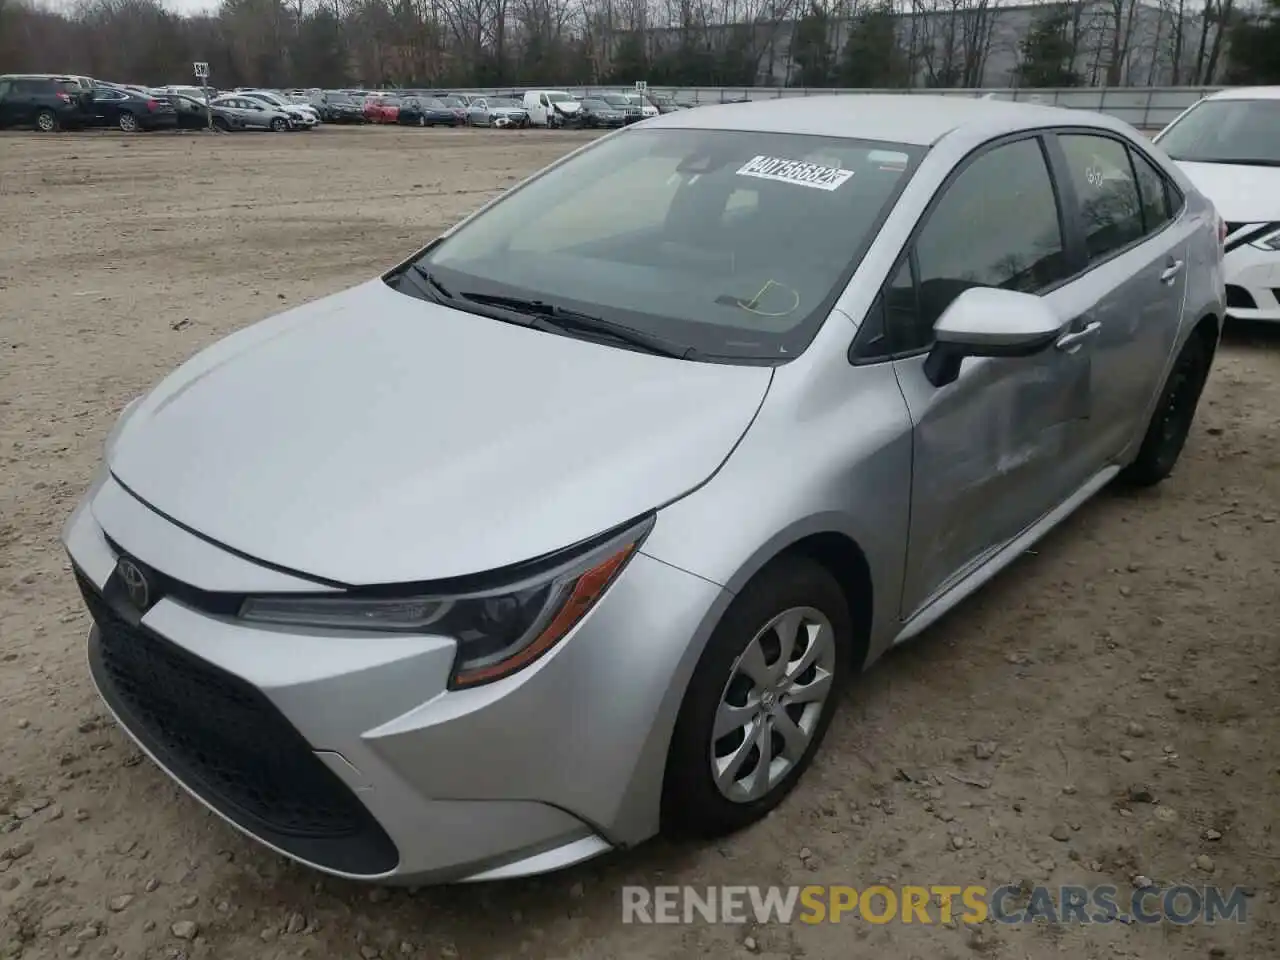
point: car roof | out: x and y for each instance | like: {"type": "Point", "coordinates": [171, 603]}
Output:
{"type": "Point", "coordinates": [1246, 93]}
{"type": "Point", "coordinates": [918, 119]}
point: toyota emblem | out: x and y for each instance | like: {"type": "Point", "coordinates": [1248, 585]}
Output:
{"type": "Point", "coordinates": [135, 582]}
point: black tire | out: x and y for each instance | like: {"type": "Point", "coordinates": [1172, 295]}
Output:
{"type": "Point", "coordinates": [279, 125]}
{"type": "Point", "coordinates": [127, 122]}
{"type": "Point", "coordinates": [692, 804]}
{"type": "Point", "coordinates": [422, 120]}
{"type": "Point", "coordinates": [1172, 418]}
{"type": "Point", "coordinates": [46, 121]}
{"type": "Point", "coordinates": [220, 124]}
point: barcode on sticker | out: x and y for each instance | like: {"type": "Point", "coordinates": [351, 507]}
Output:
{"type": "Point", "coordinates": [796, 172]}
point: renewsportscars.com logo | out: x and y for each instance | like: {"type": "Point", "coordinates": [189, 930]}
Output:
{"type": "Point", "coordinates": [971, 904]}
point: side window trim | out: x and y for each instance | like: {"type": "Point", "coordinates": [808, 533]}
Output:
{"type": "Point", "coordinates": [1063, 176]}
{"type": "Point", "coordinates": [865, 337]}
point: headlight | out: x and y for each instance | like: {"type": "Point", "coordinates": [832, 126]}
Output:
{"type": "Point", "coordinates": [1269, 242]}
{"type": "Point", "coordinates": [497, 631]}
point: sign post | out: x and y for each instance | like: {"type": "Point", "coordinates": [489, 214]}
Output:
{"type": "Point", "coordinates": [202, 74]}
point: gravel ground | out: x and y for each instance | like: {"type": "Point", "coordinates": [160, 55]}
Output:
{"type": "Point", "coordinates": [1106, 709]}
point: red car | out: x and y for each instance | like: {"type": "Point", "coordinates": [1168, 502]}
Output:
{"type": "Point", "coordinates": [381, 110]}
{"type": "Point", "coordinates": [458, 107]}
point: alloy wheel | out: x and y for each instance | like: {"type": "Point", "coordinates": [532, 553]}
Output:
{"type": "Point", "coordinates": [45, 122]}
{"type": "Point", "coordinates": [772, 704]}
{"type": "Point", "coordinates": [128, 123]}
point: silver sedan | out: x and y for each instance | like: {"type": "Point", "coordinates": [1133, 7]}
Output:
{"type": "Point", "coordinates": [246, 114]}
{"type": "Point", "coordinates": [570, 527]}
{"type": "Point", "coordinates": [497, 112]}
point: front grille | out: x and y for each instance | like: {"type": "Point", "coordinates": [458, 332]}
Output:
{"type": "Point", "coordinates": [227, 742]}
{"type": "Point", "coordinates": [1240, 298]}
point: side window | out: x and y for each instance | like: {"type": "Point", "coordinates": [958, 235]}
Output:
{"type": "Point", "coordinates": [1152, 192]}
{"type": "Point", "coordinates": [1109, 208]}
{"type": "Point", "coordinates": [996, 226]}
{"type": "Point", "coordinates": [4, 88]}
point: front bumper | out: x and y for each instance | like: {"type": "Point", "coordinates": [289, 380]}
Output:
{"type": "Point", "coordinates": [348, 753]}
{"type": "Point", "coordinates": [1253, 284]}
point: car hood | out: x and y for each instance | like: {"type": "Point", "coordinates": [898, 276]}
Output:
{"type": "Point", "coordinates": [1240, 193]}
{"type": "Point", "coordinates": [567, 106]}
{"type": "Point", "coordinates": [371, 437]}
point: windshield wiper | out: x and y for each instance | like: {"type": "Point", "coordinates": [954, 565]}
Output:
{"type": "Point", "coordinates": [425, 281]}
{"type": "Point", "coordinates": [566, 319]}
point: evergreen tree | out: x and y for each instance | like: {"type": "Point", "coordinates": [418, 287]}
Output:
{"type": "Point", "coordinates": [1254, 45]}
{"type": "Point", "coordinates": [872, 56]}
{"type": "Point", "coordinates": [1047, 53]}
{"type": "Point", "coordinates": [811, 48]}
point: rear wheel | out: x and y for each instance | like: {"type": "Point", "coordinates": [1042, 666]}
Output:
{"type": "Point", "coordinates": [128, 122]}
{"type": "Point", "coordinates": [279, 125]}
{"type": "Point", "coordinates": [220, 123]}
{"type": "Point", "coordinates": [1171, 421]}
{"type": "Point", "coordinates": [760, 701]}
{"type": "Point", "coordinates": [46, 121]}
{"type": "Point", "coordinates": [422, 120]}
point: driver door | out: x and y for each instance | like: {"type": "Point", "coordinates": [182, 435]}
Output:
{"type": "Point", "coordinates": [1004, 444]}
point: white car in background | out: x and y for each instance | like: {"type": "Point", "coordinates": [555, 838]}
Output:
{"type": "Point", "coordinates": [303, 116]}
{"type": "Point", "coordinates": [1229, 145]}
{"type": "Point", "coordinates": [646, 108]}
{"type": "Point", "coordinates": [195, 93]}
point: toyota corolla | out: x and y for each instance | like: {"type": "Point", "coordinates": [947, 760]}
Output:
{"type": "Point", "coordinates": [568, 528]}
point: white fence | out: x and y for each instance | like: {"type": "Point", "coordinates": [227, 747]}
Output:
{"type": "Point", "coordinates": [1147, 108]}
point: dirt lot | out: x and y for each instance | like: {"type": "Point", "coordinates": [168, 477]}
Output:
{"type": "Point", "coordinates": [1117, 689]}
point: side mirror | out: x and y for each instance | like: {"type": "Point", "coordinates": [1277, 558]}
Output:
{"type": "Point", "coordinates": [989, 322]}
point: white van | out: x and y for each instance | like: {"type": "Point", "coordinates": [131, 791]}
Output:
{"type": "Point", "coordinates": [550, 107]}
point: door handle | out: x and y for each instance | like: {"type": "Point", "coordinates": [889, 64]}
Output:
{"type": "Point", "coordinates": [1071, 342]}
{"type": "Point", "coordinates": [1171, 271]}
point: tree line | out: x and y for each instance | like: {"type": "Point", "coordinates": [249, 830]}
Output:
{"type": "Point", "coordinates": [815, 43]}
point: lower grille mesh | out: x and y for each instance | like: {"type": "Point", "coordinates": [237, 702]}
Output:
{"type": "Point", "coordinates": [230, 745]}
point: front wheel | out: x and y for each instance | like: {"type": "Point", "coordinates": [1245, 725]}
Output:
{"type": "Point", "coordinates": [279, 125]}
{"type": "Point", "coordinates": [128, 122]}
{"type": "Point", "coordinates": [760, 701]}
{"type": "Point", "coordinates": [1171, 421]}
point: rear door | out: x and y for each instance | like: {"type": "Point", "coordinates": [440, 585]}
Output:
{"type": "Point", "coordinates": [106, 105]}
{"type": "Point", "coordinates": [1135, 241]}
{"type": "Point", "coordinates": [22, 102]}
{"type": "Point", "coordinates": [1000, 447]}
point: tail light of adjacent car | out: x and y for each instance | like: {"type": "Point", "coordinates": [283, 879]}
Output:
{"type": "Point", "coordinates": [64, 97]}
{"type": "Point", "coordinates": [1222, 231]}
{"type": "Point", "coordinates": [498, 631]}
{"type": "Point", "coordinates": [153, 106]}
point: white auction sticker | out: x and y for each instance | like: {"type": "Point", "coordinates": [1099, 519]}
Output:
{"type": "Point", "coordinates": [797, 172]}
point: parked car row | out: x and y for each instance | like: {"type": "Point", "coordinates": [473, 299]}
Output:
{"type": "Point", "coordinates": [49, 102]}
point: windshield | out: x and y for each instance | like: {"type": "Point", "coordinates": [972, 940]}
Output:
{"type": "Point", "coordinates": [454, 102]}
{"type": "Point", "coordinates": [559, 97]}
{"type": "Point", "coordinates": [1226, 131]}
{"type": "Point", "coordinates": [593, 104]}
{"type": "Point", "coordinates": [732, 243]}
{"type": "Point", "coordinates": [503, 104]}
